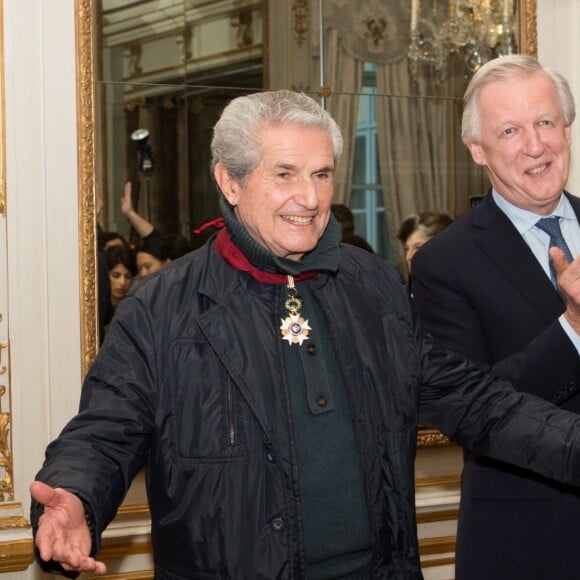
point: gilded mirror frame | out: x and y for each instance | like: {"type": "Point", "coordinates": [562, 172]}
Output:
{"type": "Point", "coordinates": [85, 60]}
{"type": "Point", "coordinates": [85, 44]}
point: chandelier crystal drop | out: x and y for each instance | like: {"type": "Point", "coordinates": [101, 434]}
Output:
{"type": "Point", "coordinates": [474, 31]}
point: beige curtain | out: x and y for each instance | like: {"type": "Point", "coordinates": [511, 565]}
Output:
{"type": "Point", "coordinates": [417, 143]}
{"type": "Point", "coordinates": [356, 32]}
{"type": "Point", "coordinates": [423, 164]}
{"type": "Point", "coordinates": [343, 74]}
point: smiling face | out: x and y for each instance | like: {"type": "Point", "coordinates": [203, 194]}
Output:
{"type": "Point", "coordinates": [285, 203]}
{"type": "Point", "coordinates": [523, 141]}
{"type": "Point", "coordinates": [121, 280]}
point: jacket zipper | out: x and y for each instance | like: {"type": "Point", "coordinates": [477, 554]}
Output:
{"type": "Point", "coordinates": [230, 423]}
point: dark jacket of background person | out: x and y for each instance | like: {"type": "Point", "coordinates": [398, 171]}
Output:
{"type": "Point", "coordinates": [345, 219]}
{"type": "Point", "coordinates": [223, 492]}
{"type": "Point", "coordinates": [104, 294]}
{"type": "Point", "coordinates": [481, 292]}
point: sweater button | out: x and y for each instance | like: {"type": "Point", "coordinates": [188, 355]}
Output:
{"type": "Point", "coordinates": [321, 401]}
{"type": "Point", "coordinates": [278, 524]}
{"type": "Point", "coordinates": [311, 349]}
{"type": "Point", "coordinates": [271, 457]}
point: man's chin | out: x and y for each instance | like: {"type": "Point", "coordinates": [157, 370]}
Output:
{"type": "Point", "coordinates": [296, 251]}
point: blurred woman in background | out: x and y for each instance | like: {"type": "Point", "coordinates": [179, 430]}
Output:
{"type": "Point", "coordinates": [122, 270]}
{"type": "Point", "coordinates": [417, 230]}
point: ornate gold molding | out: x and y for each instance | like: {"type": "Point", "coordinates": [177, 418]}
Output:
{"type": "Point", "coordinates": [6, 468]}
{"type": "Point", "coordinates": [15, 522]}
{"type": "Point", "coordinates": [432, 546]}
{"type": "Point", "coordinates": [16, 555]}
{"type": "Point", "coordinates": [86, 169]}
{"type": "Point", "coordinates": [300, 11]}
{"type": "Point", "coordinates": [145, 575]}
{"type": "Point", "coordinates": [437, 516]}
{"type": "Point", "coordinates": [242, 22]}
{"type": "Point", "coordinates": [132, 54]}
{"type": "Point", "coordinates": [2, 194]}
{"type": "Point", "coordinates": [439, 481]}
{"type": "Point", "coordinates": [376, 30]}
{"type": "Point", "coordinates": [2, 119]}
{"type": "Point", "coordinates": [432, 438]}
{"type": "Point", "coordinates": [113, 548]}
{"type": "Point", "coordinates": [529, 27]}
{"type": "Point", "coordinates": [184, 41]}
{"type": "Point", "coordinates": [132, 511]}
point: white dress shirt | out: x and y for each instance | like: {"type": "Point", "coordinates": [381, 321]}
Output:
{"type": "Point", "coordinates": [539, 241]}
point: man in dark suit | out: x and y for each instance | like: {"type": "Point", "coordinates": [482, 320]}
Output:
{"type": "Point", "coordinates": [490, 287]}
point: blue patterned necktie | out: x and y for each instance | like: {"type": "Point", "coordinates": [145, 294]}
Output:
{"type": "Point", "coordinates": [551, 225]}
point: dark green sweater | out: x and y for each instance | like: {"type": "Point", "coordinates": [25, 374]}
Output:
{"type": "Point", "coordinates": [335, 517]}
{"type": "Point", "coordinates": [337, 541]}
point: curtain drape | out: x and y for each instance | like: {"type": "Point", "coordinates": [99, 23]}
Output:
{"type": "Point", "coordinates": [417, 141]}
{"type": "Point", "coordinates": [344, 74]}
{"type": "Point", "coordinates": [423, 164]}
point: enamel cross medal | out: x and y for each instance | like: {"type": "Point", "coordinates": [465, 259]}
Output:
{"type": "Point", "coordinates": [294, 328]}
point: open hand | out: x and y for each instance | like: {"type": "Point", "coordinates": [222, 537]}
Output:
{"type": "Point", "coordinates": [63, 534]}
{"type": "Point", "coordinates": [126, 200]}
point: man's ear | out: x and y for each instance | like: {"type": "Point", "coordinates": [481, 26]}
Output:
{"type": "Point", "coordinates": [476, 152]}
{"type": "Point", "coordinates": [227, 184]}
{"type": "Point", "coordinates": [568, 134]}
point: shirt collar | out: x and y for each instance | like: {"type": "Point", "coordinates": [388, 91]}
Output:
{"type": "Point", "coordinates": [523, 219]}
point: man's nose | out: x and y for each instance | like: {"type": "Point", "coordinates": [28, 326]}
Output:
{"type": "Point", "coordinates": [534, 145]}
{"type": "Point", "coordinates": [307, 193]}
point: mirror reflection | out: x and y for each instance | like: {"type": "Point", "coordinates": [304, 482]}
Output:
{"type": "Point", "coordinates": [392, 73]}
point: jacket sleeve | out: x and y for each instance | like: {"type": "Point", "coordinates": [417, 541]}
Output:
{"type": "Point", "coordinates": [104, 446]}
{"type": "Point", "coordinates": [490, 417]}
{"type": "Point", "coordinates": [548, 366]}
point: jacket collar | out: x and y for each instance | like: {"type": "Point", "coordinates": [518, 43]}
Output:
{"type": "Point", "coordinates": [324, 257]}
{"type": "Point", "coordinates": [497, 237]}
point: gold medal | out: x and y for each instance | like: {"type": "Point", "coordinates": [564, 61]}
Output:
{"type": "Point", "coordinates": [294, 328]}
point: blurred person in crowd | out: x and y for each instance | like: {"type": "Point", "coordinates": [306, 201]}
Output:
{"type": "Point", "coordinates": [154, 250]}
{"type": "Point", "coordinates": [345, 219]}
{"type": "Point", "coordinates": [416, 230]}
{"type": "Point", "coordinates": [122, 270]}
{"type": "Point", "coordinates": [106, 239]}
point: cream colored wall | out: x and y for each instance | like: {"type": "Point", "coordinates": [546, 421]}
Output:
{"type": "Point", "coordinates": [43, 255]}
{"type": "Point", "coordinates": [559, 47]}
{"type": "Point", "coordinates": [43, 282]}
{"type": "Point", "coordinates": [42, 223]}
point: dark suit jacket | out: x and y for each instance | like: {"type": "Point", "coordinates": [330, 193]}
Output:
{"type": "Point", "coordinates": [481, 292]}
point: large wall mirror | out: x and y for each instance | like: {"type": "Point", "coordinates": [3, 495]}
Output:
{"type": "Point", "coordinates": [153, 76]}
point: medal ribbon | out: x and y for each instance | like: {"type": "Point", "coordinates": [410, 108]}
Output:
{"type": "Point", "coordinates": [238, 260]}
{"type": "Point", "coordinates": [294, 328]}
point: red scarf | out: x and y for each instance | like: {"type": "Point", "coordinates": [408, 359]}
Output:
{"type": "Point", "coordinates": [237, 259]}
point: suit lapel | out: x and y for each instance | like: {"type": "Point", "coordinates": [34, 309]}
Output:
{"type": "Point", "coordinates": [575, 202]}
{"type": "Point", "coordinates": [499, 240]}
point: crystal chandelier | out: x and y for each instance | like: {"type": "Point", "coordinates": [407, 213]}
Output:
{"type": "Point", "coordinates": [474, 31]}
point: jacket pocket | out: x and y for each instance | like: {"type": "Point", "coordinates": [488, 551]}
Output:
{"type": "Point", "coordinates": [203, 413]}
